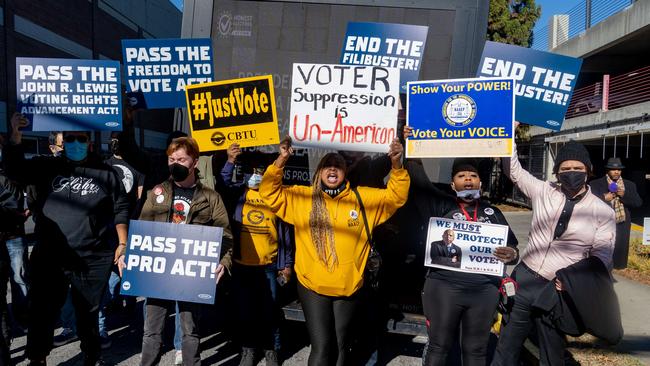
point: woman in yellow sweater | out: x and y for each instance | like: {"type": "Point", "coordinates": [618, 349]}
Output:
{"type": "Point", "coordinates": [331, 241]}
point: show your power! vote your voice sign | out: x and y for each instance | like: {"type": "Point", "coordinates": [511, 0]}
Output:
{"type": "Point", "coordinates": [172, 261]}
{"type": "Point", "coordinates": [460, 117]}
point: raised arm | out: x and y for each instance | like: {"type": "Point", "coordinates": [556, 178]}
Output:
{"type": "Point", "coordinates": [228, 168]}
{"type": "Point", "coordinates": [274, 195]}
{"type": "Point", "coordinates": [525, 181]}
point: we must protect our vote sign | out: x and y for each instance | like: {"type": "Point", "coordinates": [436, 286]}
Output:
{"type": "Point", "coordinates": [544, 81]}
{"type": "Point", "coordinates": [460, 118]}
{"type": "Point", "coordinates": [161, 68]}
{"type": "Point", "coordinates": [465, 246]}
{"type": "Point", "coordinates": [69, 94]}
{"type": "Point", "coordinates": [344, 107]}
{"type": "Point", "coordinates": [172, 261]}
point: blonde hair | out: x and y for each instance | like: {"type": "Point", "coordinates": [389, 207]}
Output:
{"type": "Point", "coordinates": [322, 233]}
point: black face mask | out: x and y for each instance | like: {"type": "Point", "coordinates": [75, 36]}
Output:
{"type": "Point", "coordinates": [179, 172]}
{"type": "Point", "coordinates": [572, 182]}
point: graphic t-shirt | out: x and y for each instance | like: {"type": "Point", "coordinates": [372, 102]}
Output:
{"type": "Point", "coordinates": [259, 237]}
{"type": "Point", "coordinates": [181, 206]}
{"type": "Point", "coordinates": [131, 179]}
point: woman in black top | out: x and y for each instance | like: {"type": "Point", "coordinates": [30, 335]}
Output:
{"type": "Point", "coordinates": [454, 301]}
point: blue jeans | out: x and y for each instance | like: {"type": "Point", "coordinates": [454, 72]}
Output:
{"type": "Point", "coordinates": [68, 320]}
{"type": "Point", "coordinates": [17, 250]}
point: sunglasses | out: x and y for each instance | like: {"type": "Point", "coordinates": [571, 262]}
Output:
{"type": "Point", "coordinates": [71, 138]}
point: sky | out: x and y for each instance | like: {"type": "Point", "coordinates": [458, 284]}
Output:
{"type": "Point", "coordinates": [178, 4]}
{"type": "Point", "coordinates": [549, 8]}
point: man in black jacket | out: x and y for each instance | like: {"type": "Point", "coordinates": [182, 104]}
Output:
{"type": "Point", "coordinates": [622, 195]}
{"type": "Point", "coordinates": [445, 252]}
{"type": "Point", "coordinates": [79, 205]}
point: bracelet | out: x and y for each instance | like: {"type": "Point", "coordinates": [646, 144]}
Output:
{"type": "Point", "coordinates": [122, 244]}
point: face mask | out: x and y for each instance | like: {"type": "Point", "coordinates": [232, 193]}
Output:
{"type": "Point", "coordinates": [572, 182]}
{"type": "Point", "coordinates": [254, 181]}
{"type": "Point", "coordinates": [75, 151]}
{"type": "Point", "coordinates": [469, 194]}
{"type": "Point", "coordinates": [179, 172]}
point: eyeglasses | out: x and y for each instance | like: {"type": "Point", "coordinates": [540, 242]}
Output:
{"type": "Point", "coordinates": [71, 138]}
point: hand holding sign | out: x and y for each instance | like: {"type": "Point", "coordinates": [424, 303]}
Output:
{"type": "Point", "coordinates": [505, 254]}
{"type": "Point", "coordinates": [233, 152]}
{"type": "Point", "coordinates": [395, 153]}
{"type": "Point", "coordinates": [18, 121]}
{"type": "Point", "coordinates": [219, 272]}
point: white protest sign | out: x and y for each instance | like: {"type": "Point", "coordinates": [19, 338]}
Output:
{"type": "Point", "coordinates": [344, 107]}
{"type": "Point", "coordinates": [646, 231]}
{"type": "Point", "coordinates": [465, 246]}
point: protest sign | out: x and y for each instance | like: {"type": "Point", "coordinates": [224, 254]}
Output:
{"type": "Point", "coordinates": [58, 94]}
{"type": "Point", "coordinates": [172, 261]}
{"type": "Point", "coordinates": [386, 45]}
{"type": "Point", "coordinates": [460, 117]}
{"type": "Point", "coordinates": [544, 81]}
{"type": "Point", "coordinates": [465, 246]}
{"type": "Point", "coordinates": [239, 111]}
{"type": "Point", "coordinates": [344, 107]}
{"type": "Point", "coordinates": [161, 68]}
{"type": "Point", "coordinates": [646, 231]}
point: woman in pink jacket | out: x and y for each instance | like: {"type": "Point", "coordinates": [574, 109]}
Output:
{"type": "Point", "coordinates": [569, 224]}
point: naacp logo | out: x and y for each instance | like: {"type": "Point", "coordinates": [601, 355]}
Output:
{"type": "Point", "coordinates": [218, 138]}
{"type": "Point", "coordinates": [459, 110]}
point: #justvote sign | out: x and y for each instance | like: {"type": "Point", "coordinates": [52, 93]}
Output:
{"type": "Point", "coordinates": [344, 107]}
{"type": "Point", "coordinates": [465, 246]}
{"type": "Point", "coordinates": [69, 94]}
{"type": "Point", "coordinates": [172, 261]}
{"type": "Point", "coordinates": [460, 117]}
{"type": "Point", "coordinates": [162, 68]}
{"type": "Point", "coordinates": [239, 111]}
{"type": "Point", "coordinates": [544, 81]}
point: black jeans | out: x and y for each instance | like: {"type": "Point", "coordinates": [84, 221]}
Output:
{"type": "Point", "coordinates": [5, 336]}
{"type": "Point", "coordinates": [52, 274]}
{"type": "Point", "coordinates": [329, 323]}
{"type": "Point", "coordinates": [449, 307]}
{"type": "Point", "coordinates": [154, 325]}
{"type": "Point", "coordinates": [258, 310]}
{"type": "Point", "coordinates": [519, 322]}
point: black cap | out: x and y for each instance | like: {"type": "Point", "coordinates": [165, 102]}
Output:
{"type": "Point", "coordinates": [614, 163]}
{"type": "Point", "coordinates": [464, 165]}
{"type": "Point", "coordinates": [572, 151]}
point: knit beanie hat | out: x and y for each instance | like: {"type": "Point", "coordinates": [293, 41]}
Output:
{"type": "Point", "coordinates": [572, 151]}
{"type": "Point", "coordinates": [464, 165]}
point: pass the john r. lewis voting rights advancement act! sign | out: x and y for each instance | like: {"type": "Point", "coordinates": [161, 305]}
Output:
{"type": "Point", "coordinates": [386, 45]}
{"type": "Point", "coordinates": [544, 81]}
{"type": "Point", "coordinates": [172, 261]}
{"type": "Point", "coordinates": [161, 68]}
{"type": "Point", "coordinates": [465, 246]}
{"type": "Point", "coordinates": [58, 94]}
{"type": "Point", "coordinates": [239, 111]}
{"type": "Point", "coordinates": [460, 117]}
{"type": "Point", "coordinates": [344, 107]}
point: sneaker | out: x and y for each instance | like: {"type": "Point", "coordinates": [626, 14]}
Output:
{"type": "Point", "coordinates": [271, 358]}
{"type": "Point", "coordinates": [37, 363]}
{"type": "Point", "coordinates": [178, 360]}
{"type": "Point", "coordinates": [247, 357]}
{"type": "Point", "coordinates": [105, 342]}
{"type": "Point", "coordinates": [67, 336]}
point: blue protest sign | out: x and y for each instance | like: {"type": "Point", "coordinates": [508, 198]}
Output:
{"type": "Point", "coordinates": [172, 261]}
{"type": "Point", "coordinates": [544, 81]}
{"type": "Point", "coordinates": [161, 68]}
{"type": "Point", "coordinates": [68, 94]}
{"type": "Point", "coordinates": [460, 118]}
{"type": "Point", "coordinates": [386, 45]}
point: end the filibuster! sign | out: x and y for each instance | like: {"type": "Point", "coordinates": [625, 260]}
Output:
{"type": "Point", "coordinates": [460, 118]}
{"type": "Point", "coordinates": [172, 261]}
{"type": "Point", "coordinates": [69, 94]}
{"type": "Point", "coordinates": [162, 68]}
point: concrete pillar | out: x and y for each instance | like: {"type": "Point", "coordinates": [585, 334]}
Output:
{"type": "Point", "coordinates": [558, 30]}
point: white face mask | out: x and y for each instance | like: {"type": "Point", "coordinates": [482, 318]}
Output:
{"type": "Point", "coordinates": [254, 181]}
{"type": "Point", "coordinates": [469, 194]}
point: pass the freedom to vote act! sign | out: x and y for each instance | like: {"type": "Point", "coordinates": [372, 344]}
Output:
{"type": "Point", "coordinates": [344, 107]}
{"type": "Point", "coordinates": [69, 94]}
{"type": "Point", "coordinates": [172, 261]}
{"type": "Point", "coordinates": [460, 117]}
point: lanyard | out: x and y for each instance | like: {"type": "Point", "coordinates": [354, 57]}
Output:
{"type": "Point", "coordinates": [462, 208]}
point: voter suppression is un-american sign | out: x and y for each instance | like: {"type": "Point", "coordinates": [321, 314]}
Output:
{"type": "Point", "coordinates": [172, 261]}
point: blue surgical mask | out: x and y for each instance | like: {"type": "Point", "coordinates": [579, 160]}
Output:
{"type": "Point", "coordinates": [254, 181]}
{"type": "Point", "coordinates": [469, 194]}
{"type": "Point", "coordinates": [75, 151]}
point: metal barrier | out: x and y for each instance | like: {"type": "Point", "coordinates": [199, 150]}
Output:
{"type": "Point", "coordinates": [581, 17]}
{"type": "Point", "coordinates": [613, 92]}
